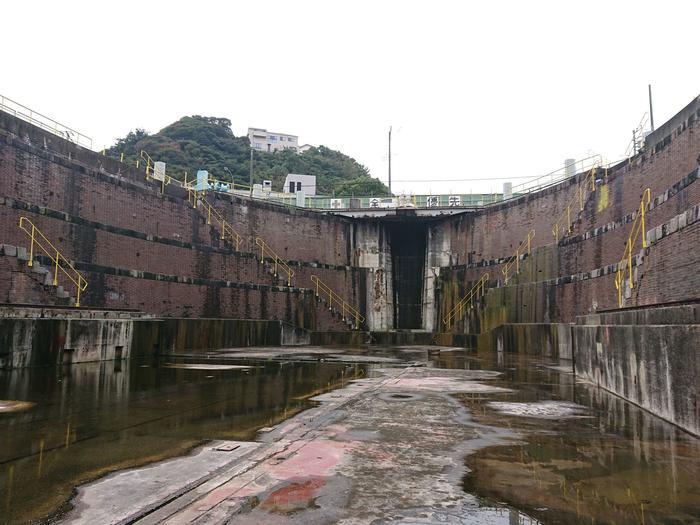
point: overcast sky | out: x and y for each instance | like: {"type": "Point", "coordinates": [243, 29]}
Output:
{"type": "Point", "coordinates": [473, 90]}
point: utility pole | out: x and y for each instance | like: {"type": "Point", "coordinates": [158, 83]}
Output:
{"type": "Point", "coordinates": [651, 110]}
{"type": "Point", "coordinates": [390, 161]}
{"type": "Point", "coordinates": [251, 171]}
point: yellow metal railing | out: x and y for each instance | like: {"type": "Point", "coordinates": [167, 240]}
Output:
{"type": "Point", "coordinates": [277, 261]}
{"type": "Point", "coordinates": [341, 304]}
{"type": "Point", "coordinates": [562, 225]}
{"type": "Point", "coordinates": [638, 228]}
{"type": "Point", "coordinates": [467, 301]}
{"type": "Point", "coordinates": [57, 258]}
{"type": "Point", "coordinates": [524, 247]}
{"type": "Point", "coordinates": [196, 199]}
{"type": "Point", "coordinates": [149, 163]}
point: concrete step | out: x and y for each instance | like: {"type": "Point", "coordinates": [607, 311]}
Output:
{"type": "Point", "coordinates": [679, 314]}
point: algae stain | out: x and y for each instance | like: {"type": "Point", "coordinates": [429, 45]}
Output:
{"type": "Point", "coordinates": [603, 198]}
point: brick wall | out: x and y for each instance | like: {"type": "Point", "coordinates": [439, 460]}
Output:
{"type": "Point", "coordinates": [141, 248]}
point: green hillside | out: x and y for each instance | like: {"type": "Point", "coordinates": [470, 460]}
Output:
{"type": "Point", "coordinates": [194, 143]}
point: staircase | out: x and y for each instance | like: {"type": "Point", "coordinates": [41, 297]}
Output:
{"type": "Point", "coordinates": [35, 286]}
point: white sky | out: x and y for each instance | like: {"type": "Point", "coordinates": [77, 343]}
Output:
{"type": "Point", "coordinates": [473, 90]}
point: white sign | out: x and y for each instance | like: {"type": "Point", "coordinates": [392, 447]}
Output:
{"type": "Point", "coordinates": [454, 200]}
{"type": "Point", "coordinates": [336, 204]}
{"type": "Point", "coordinates": [433, 201]}
{"type": "Point", "coordinates": [159, 170]}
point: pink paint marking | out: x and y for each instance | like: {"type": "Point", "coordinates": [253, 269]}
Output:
{"type": "Point", "coordinates": [317, 458]}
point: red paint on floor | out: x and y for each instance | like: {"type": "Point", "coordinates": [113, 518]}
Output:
{"type": "Point", "coordinates": [295, 496]}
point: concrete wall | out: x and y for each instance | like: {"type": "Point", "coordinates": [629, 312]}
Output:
{"type": "Point", "coordinates": [173, 336]}
{"type": "Point", "coordinates": [50, 337]}
{"type": "Point", "coordinates": [654, 366]}
{"type": "Point", "coordinates": [51, 342]}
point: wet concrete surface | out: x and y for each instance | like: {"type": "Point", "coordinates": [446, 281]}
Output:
{"type": "Point", "coordinates": [416, 436]}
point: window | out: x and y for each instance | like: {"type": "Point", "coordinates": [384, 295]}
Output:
{"type": "Point", "coordinates": [272, 138]}
{"type": "Point", "coordinates": [299, 186]}
{"type": "Point", "coordinates": [281, 139]}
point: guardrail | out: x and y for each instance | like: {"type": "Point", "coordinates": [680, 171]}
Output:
{"type": "Point", "coordinates": [20, 111]}
{"type": "Point", "coordinates": [638, 228]}
{"type": "Point", "coordinates": [558, 175]}
{"type": "Point", "coordinates": [523, 248]}
{"type": "Point", "coordinates": [149, 163]}
{"type": "Point", "coordinates": [467, 301]}
{"type": "Point", "coordinates": [196, 199]}
{"type": "Point", "coordinates": [345, 308]}
{"type": "Point", "coordinates": [563, 223]}
{"type": "Point", "coordinates": [278, 262]}
{"type": "Point", "coordinates": [59, 261]}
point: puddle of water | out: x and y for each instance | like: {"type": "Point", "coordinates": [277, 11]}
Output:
{"type": "Point", "coordinates": [616, 464]}
{"type": "Point", "coordinates": [93, 418]}
{"type": "Point", "coordinates": [609, 463]}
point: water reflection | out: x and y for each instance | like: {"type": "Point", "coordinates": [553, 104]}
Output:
{"type": "Point", "coordinates": [92, 418]}
{"type": "Point", "coordinates": [618, 464]}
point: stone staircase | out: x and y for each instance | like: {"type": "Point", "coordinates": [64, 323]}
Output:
{"type": "Point", "coordinates": [29, 284]}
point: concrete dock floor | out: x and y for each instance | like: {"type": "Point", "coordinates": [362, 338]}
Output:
{"type": "Point", "coordinates": [385, 449]}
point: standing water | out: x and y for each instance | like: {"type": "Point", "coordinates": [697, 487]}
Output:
{"type": "Point", "coordinates": [576, 453]}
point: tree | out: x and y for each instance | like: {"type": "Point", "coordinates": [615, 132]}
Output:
{"type": "Point", "coordinates": [362, 186]}
{"type": "Point", "coordinates": [197, 142]}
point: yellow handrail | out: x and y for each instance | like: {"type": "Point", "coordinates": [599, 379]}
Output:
{"type": "Point", "coordinates": [59, 261]}
{"type": "Point", "coordinates": [563, 223]}
{"type": "Point", "coordinates": [227, 232]}
{"type": "Point", "coordinates": [638, 227]}
{"type": "Point", "coordinates": [279, 263]}
{"type": "Point", "coordinates": [467, 301]}
{"type": "Point", "coordinates": [345, 308]}
{"type": "Point", "coordinates": [149, 163]}
{"type": "Point", "coordinates": [523, 248]}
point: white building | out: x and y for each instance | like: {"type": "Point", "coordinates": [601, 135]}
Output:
{"type": "Point", "coordinates": [296, 182]}
{"type": "Point", "coordinates": [263, 140]}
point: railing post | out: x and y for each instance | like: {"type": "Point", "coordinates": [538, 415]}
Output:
{"type": "Point", "coordinates": [31, 249]}
{"type": "Point", "coordinates": [55, 271]}
{"type": "Point", "coordinates": [629, 262]}
{"type": "Point", "coordinates": [618, 285]}
{"type": "Point", "coordinates": [642, 210]}
{"type": "Point", "coordinates": [77, 295]}
{"type": "Point", "coordinates": [517, 260]}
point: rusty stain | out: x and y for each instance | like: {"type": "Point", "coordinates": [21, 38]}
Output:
{"type": "Point", "coordinates": [295, 496]}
